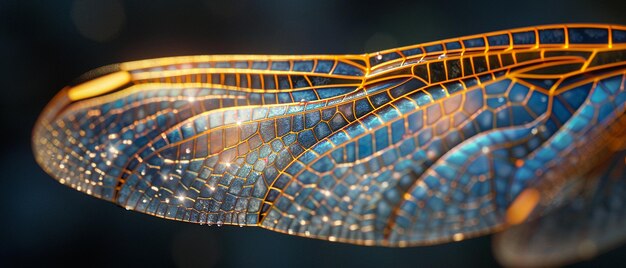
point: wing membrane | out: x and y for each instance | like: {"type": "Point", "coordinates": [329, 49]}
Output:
{"type": "Point", "coordinates": [591, 221]}
{"type": "Point", "coordinates": [87, 141]}
{"type": "Point", "coordinates": [408, 146]}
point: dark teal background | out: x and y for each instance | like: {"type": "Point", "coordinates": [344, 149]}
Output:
{"type": "Point", "coordinates": [41, 50]}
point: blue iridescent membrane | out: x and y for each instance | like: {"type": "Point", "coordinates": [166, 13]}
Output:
{"type": "Point", "coordinates": [324, 66]}
{"type": "Point", "coordinates": [475, 42]}
{"type": "Point", "coordinates": [498, 40]}
{"type": "Point", "coordinates": [453, 45]}
{"type": "Point", "coordinates": [619, 36]}
{"type": "Point", "coordinates": [524, 38]}
{"type": "Point", "coordinates": [390, 56]}
{"type": "Point", "coordinates": [552, 36]}
{"type": "Point", "coordinates": [324, 151]}
{"type": "Point", "coordinates": [588, 35]}
{"type": "Point", "coordinates": [412, 52]}
{"type": "Point", "coordinates": [433, 48]}
{"type": "Point", "coordinates": [280, 66]}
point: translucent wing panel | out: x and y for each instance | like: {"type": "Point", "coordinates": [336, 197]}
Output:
{"type": "Point", "coordinates": [591, 222]}
{"type": "Point", "coordinates": [582, 212]}
{"type": "Point", "coordinates": [409, 146]}
{"type": "Point", "coordinates": [92, 129]}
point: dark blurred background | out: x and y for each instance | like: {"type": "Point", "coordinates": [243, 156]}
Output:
{"type": "Point", "coordinates": [45, 44]}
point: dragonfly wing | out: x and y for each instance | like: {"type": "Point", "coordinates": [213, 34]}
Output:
{"type": "Point", "coordinates": [96, 133]}
{"type": "Point", "coordinates": [435, 185]}
{"type": "Point", "coordinates": [415, 145]}
{"type": "Point", "coordinates": [583, 210]}
{"type": "Point", "coordinates": [590, 222]}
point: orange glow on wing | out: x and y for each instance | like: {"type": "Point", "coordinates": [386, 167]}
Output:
{"type": "Point", "coordinates": [522, 206]}
{"type": "Point", "coordinates": [99, 86]}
